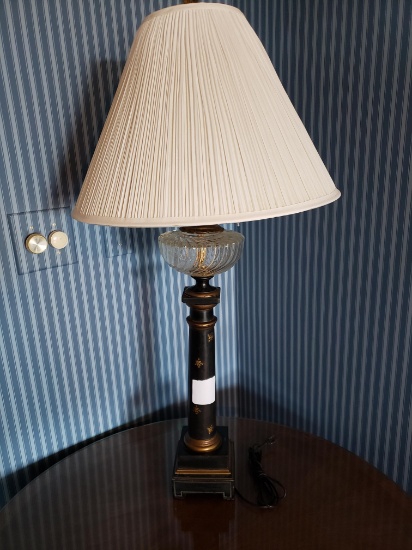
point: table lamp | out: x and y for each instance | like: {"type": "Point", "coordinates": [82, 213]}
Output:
{"type": "Point", "coordinates": [201, 132]}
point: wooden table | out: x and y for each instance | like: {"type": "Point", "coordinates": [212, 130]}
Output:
{"type": "Point", "coordinates": [116, 494]}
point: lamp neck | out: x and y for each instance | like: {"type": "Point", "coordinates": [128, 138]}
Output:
{"type": "Point", "coordinates": [202, 285]}
{"type": "Point", "coordinates": [202, 229]}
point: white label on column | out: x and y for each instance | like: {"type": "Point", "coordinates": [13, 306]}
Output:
{"type": "Point", "coordinates": [203, 391]}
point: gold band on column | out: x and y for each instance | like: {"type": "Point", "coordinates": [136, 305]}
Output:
{"type": "Point", "coordinates": [203, 445]}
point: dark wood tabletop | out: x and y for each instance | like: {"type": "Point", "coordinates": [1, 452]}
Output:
{"type": "Point", "coordinates": [116, 494]}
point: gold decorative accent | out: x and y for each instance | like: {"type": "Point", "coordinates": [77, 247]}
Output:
{"type": "Point", "coordinates": [203, 445]}
{"type": "Point", "coordinates": [202, 472]}
{"type": "Point", "coordinates": [210, 429]}
{"type": "Point", "coordinates": [199, 264]}
{"type": "Point", "coordinates": [210, 337]}
{"type": "Point", "coordinates": [196, 409]}
{"type": "Point", "coordinates": [202, 325]}
{"type": "Point", "coordinates": [198, 363]}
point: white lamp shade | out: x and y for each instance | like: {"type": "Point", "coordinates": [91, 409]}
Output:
{"type": "Point", "coordinates": [200, 131]}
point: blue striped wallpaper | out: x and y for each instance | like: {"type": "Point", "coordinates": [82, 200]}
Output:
{"type": "Point", "coordinates": [322, 314]}
{"type": "Point", "coordinates": [324, 317]}
{"type": "Point", "coordinates": [84, 348]}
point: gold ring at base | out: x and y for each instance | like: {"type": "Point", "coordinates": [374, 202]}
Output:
{"type": "Point", "coordinates": [203, 445]}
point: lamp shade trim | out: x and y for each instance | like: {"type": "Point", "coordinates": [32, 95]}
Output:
{"type": "Point", "coordinates": [209, 220]}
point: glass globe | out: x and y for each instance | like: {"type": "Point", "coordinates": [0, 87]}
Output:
{"type": "Point", "coordinates": [201, 251]}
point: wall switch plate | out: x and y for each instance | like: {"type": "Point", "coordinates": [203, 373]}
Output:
{"type": "Point", "coordinates": [43, 222]}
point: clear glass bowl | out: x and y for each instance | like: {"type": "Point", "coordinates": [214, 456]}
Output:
{"type": "Point", "coordinates": [201, 252]}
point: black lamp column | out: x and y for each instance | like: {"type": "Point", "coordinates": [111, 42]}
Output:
{"type": "Point", "coordinates": [202, 435]}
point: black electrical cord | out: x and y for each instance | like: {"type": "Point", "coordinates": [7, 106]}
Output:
{"type": "Point", "coordinates": [270, 491]}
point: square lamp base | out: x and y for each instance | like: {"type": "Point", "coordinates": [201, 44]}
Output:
{"type": "Point", "coordinates": [212, 473]}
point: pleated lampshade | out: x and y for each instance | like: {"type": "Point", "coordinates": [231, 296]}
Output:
{"type": "Point", "coordinates": [200, 131]}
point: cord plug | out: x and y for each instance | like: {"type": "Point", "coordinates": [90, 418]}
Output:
{"type": "Point", "coordinates": [270, 491]}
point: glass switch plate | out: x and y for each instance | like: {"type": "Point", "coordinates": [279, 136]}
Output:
{"type": "Point", "coordinates": [44, 222]}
